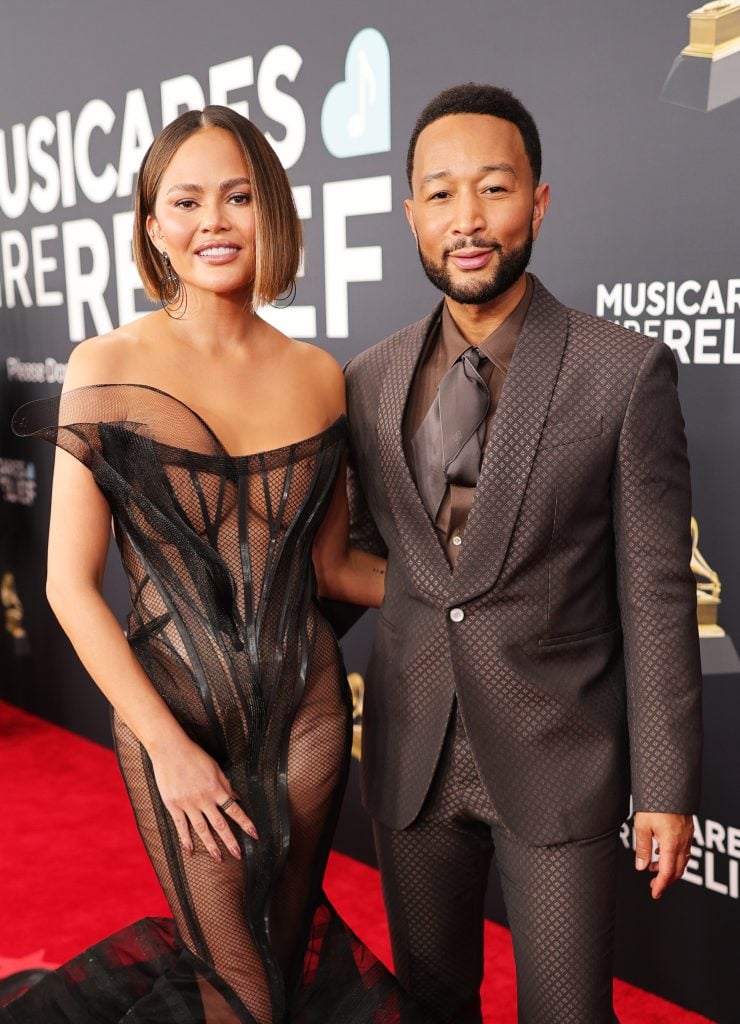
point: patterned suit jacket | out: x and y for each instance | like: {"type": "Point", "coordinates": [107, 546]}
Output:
{"type": "Point", "coordinates": [567, 630]}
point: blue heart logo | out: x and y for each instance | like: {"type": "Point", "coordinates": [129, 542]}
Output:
{"type": "Point", "coordinates": [356, 116]}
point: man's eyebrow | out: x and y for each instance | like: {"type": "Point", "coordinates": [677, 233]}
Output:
{"type": "Point", "coordinates": [501, 166]}
{"type": "Point", "coordinates": [198, 189]}
{"type": "Point", "coordinates": [483, 169]}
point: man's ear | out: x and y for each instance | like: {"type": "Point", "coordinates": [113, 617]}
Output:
{"type": "Point", "coordinates": [408, 205]}
{"type": "Point", "coordinates": [541, 202]}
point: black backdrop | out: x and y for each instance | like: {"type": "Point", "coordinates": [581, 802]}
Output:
{"type": "Point", "coordinates": [643, 228]}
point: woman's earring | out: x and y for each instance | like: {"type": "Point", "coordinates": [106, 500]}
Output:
{"type": "Point", "coordinates": [170, 290]}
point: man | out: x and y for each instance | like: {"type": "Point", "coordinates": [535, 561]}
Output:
{"type": "Point", "coordinates": [523, 465]}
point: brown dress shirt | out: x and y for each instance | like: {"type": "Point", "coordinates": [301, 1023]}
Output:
{"type": "Point", "coordinates": [444, 345]}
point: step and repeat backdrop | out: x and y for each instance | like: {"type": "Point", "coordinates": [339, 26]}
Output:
{"type": "Point", "coordinates": [639, 110]}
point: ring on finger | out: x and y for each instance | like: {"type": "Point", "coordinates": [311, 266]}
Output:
{"type": "Point", "coordinates": [226, 804]}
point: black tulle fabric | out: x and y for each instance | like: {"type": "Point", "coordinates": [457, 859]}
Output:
{"type": "Point", "coordinates": [217, 551]}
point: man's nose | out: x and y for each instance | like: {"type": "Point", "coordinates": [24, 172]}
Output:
{"type": "Point", "coordinates": [468, 217]}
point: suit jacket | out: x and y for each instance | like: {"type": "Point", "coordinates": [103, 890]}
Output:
{"type": "Point", "coordinates": [567, 630]}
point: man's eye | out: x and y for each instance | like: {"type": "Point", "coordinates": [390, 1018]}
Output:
{"type": "Point", "coordinates": [495, 188]}
{"type": "Point", "coordinates": [440, 195]}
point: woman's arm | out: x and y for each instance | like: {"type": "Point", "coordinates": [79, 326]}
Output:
{"type": "Point", "coordinates": [190, 782]}
{"type": "Point", "coordinates": [344, 573]}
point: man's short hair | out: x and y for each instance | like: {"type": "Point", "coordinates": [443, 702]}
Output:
{"type": "Point", "coordinates": [474, 98]}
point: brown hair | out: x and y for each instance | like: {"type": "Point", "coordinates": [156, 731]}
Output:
{"type": "Point", "coordinates": [278, 235]}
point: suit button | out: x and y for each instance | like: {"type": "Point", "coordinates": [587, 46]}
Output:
{"type": "Point", "coordinates": [457, 614]}
{"type": "Point", "coordinates": [457, 540]}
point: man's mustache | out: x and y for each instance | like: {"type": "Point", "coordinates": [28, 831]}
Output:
{"type": "Point", "coordinates": [473, 243]}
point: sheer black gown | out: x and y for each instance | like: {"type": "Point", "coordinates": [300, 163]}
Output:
{"type": "Point", "coordinates": [217, 551]}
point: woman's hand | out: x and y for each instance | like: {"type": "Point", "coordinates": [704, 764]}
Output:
{"type": "Point", "coordinates": [197, 793]}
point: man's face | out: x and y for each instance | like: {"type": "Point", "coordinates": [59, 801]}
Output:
{"type": "Point", "coordinates": [475, 210]}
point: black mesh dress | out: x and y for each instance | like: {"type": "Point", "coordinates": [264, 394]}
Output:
{"type": "Point", "coordinates": [217, 551]}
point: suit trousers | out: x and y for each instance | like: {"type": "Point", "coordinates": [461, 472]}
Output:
{"type": "Point", "coordinates": [560, 901]}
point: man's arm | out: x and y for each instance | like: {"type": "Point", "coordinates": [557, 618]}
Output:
{"type": "Point", "coordinates": [657, 598]}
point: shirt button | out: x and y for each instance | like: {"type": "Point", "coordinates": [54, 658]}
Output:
{"type": "Point", "coordinates": [457, 540]}
{"type": "Point", "coordinates": [457, 614]}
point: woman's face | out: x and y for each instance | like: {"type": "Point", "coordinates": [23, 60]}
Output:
{"type": "Point", "coordinates": [204, 214]}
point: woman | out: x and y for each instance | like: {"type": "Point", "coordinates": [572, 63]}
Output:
{"type": "Point", "coordinates": [217, 444]}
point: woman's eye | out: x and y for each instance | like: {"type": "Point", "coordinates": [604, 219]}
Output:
{"type": "Point", "coordinates": [240, 198]}
{"type": "Point", "coordinates": [185, 204]}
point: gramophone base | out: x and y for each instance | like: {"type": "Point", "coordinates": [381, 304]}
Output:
{"type": "Point", "coordinates": [701, 83]}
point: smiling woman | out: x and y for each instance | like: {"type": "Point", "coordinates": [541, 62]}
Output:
{"type": "Point", "coordinates": [206, 142]}
{"type": "Point", "coordinates": [232, 714]}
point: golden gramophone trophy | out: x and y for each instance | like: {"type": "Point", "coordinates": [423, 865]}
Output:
{"type": "Point", "coordinates": [357, 689]}
{"type": "Point", "coordinates": [706, 73]}
{"type": "Point", "coordinates": [708, 588]}
{"type": "Point", "coordinates": [13, 609]}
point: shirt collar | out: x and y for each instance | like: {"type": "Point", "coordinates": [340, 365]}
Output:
{"type": "Point", "coordinates": [498, 346]}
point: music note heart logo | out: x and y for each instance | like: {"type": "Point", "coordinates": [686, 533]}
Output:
{"type": "Point", "coordinates": [356, 116]}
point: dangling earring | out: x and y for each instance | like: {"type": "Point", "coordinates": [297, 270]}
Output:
{"type": "Point", "coordinates": [286, 298]}
{"type": "Point", "coordinates": [170, 290]}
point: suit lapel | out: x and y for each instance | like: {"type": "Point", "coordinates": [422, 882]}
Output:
{"type": "Point", "coordinates": [512, 445]}
{"type": "Point", "coordinates": [427, 563]}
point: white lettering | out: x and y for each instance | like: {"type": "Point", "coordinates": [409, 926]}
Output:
{"type": "Point", "coordinates": [611, 300]}
{"type": "Point", "coordinates": [730, 355]}
{"type": "Point", "coordinates": [656, 300]}
{"type": "Point", "coordinates": [136, 138]}
{"type": "Point", "coordinates": [65, 146]}
{"type": "Point", "coordinates": [677, 334]}
{"type": "Point", "coordinates": [705, 341]}
{"type": "Point", "coordinates": [179, 94]}
{"type": "Point", "coordinates": [688, 309]}
{"type": "Point", "coordinates": [228, 77]}
{"type": "Point", "coordinates": [43, 265]}
{"type": "Point", "coordinates": [15, 272]}
{"type": "Point", "coordinates": [41, 132]}
{"type": "Point", "coordinates": [733, 295]}
{"type": "Point", "coordinates": [282, 61]}
{"type": "Point", "coordinates": [344, 264]}
{"type": "Point", "coordinates": [86, 289]}
{"type": "Point", "coordinates": [13, 202]}
{"type": "Point", "coordinates": [295, 321]}
{"type": "Point", "coordinates": [634, 307]}
{"type": "Point", "coordinates": [97, 187]}
{"type": "Point", "coordinates": [128, 281]}
{"type": "Point", "coordinates": [712, 300]}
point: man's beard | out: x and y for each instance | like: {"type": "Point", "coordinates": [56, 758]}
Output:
{"type": "Point", "coordinates": [509, 268]}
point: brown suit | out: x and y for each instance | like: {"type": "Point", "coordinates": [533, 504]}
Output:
{"type": "Point", "coordinates": [575, 660]}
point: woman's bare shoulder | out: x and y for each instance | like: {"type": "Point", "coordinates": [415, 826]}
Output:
{"type": "Point", "coordinates": [107, 358]}
{"type": "Point", "coordinates": [318, 360]}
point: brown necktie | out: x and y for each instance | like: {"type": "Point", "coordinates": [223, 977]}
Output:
{"type": "Point", "coordinates": [448, 444]}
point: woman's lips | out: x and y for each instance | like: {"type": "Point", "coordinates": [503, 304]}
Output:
{"type": "Point", "coordinates": [217, 254]}
{"type": "Point", "coordinates": [471, 260]}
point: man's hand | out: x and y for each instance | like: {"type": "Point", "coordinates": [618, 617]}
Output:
{"type": "Point", "coordinates": [673, 834]}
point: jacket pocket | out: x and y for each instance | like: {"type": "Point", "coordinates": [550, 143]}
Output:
{"type": "Point", "coordinates": [587, 634]}
{"type": "Point", "coordinates": [556, 434]}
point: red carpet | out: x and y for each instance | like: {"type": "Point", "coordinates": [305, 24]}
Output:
{"type": "Point", "coordinates": [74, 870]}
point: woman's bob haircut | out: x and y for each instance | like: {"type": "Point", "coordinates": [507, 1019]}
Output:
{"type": "Point", "coordinates": [278, 235]}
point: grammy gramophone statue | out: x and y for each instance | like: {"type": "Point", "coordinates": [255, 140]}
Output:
{"type": "Point", "coordinates": [708, 588]}
{"type": "Point", "coordinates": [13, 610]}
{"type": "Point", "coordinates": [706, 73]}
